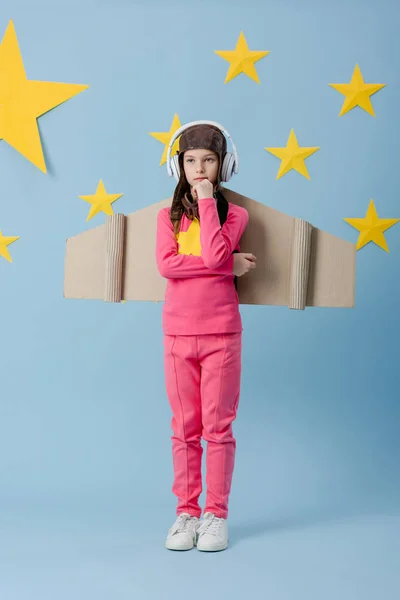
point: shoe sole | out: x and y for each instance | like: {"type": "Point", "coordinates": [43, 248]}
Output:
{"type": "Point", "coordinates": [178, 548]}
{"type": "Point", "coordinates": [212, 548]}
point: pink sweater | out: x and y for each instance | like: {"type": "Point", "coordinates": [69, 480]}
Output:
{"type": "Point", "coordinates": [200, 296]}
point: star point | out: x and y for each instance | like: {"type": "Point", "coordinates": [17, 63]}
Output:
{"type": "Point", "coordinates": [371, 228]}
{"type": "Point", "coordinates": [189, 241]}
{"type": "Point", "coordinates": [5, 241]}
{"type": "Point", "coordinates": [292, 156]}
{"type": "Point", "coordinates": [100, 201]}
{"type": "Point", "coordinates": [165, 137]}
{"type": "Point", "coordinates": [242, 59]}
{"type": "Point", "coordinates": [23, 101]}
{"type": "Point", "coordinates": [357, 93]}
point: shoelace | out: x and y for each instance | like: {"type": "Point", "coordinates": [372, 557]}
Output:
{"type": "Point", "coordinates": [183, 524]}
{"type": "Point", "coordinates": [211, 525]}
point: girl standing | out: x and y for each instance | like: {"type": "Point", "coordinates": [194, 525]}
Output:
{"type": "Point", "coordinates": [198, 252]}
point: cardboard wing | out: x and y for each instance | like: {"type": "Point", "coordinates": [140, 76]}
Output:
{"type": "Point", "coordinates": [298, 265]}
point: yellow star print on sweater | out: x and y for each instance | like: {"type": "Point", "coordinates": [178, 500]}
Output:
{"type": "Point", "coordinates": [189, 241]}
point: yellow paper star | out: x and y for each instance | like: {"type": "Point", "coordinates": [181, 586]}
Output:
{"type": "Point", "coordinates": [4, 242]}
{"type": "Point", "coordinates": [23, 100]}
{"type": "Point", "coordinates": [189, 241]}
{"type": "Point", "coordinates": [357, 93]}
{"type": "Point", "coordinates": [242, 59]}
{"type": "Point", "coordinates": [165, 136]}
{"type": "Point", "coordinates": [371, 228]}
{"type": "Point", "coordinates": [292, 156]}
{"type": "Point", "coordinates": [100, 201]}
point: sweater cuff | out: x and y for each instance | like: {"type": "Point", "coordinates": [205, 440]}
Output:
{"type": "Point", "coordinates": [228, 265]}
{"type": "Point", "coordinates": [206, 199]}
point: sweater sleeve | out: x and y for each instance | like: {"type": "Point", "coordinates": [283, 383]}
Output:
{"type": "Point", "coordinates": [218, 243]}
{"type": "Point", "coordinates": [172, 265]}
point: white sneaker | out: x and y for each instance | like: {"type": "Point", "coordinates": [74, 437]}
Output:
{"type": "Point", "coordinates": [212, 534]}
{"type": "Point", "coordinates": [183, 533]}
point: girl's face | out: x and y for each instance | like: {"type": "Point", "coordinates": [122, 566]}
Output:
{"type": "Point", "coordinates": [200, 164]}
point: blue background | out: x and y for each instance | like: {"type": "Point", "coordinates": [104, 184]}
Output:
{"type": "Point", "coordinates": [85, 459]}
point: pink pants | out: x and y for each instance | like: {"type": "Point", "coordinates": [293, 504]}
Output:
{"type": "Point", "coordinates": [203, 376]}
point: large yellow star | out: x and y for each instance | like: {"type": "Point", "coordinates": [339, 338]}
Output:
{"type": "Point", "coordinates": [23, 100]}
{"type": "Point", "coordinates": [4, 242]}
{"type": "Point", "coordinates": [189, 241]}
{"type": "Point", "coordinates": [357, 93]}
{"type": "Point", "coordinates": [165, 137]}
{"type": "Point", "coordinates": [242, 59]}
{"type": "Point", "coordinates": [292, 156]}
{"type": "Point", "coordinates": [371, 228]}
{"type": "Point", "coordinates": [100, 201]}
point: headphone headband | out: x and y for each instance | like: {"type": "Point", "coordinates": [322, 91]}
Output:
{"type": "Point", "coordinates": [183, 127]}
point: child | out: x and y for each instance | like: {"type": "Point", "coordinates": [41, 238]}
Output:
{"type": "Point", "coordinates": [197, 251]}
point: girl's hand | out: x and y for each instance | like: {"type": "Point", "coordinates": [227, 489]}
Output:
{"type": "Point", "coordinates": [243, 262]}
{"type": "Point", "coordinates": [203, 189]}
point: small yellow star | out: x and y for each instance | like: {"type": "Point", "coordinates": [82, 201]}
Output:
{"type": "Point", "coordinates": [189, 241]}
{"type": "Point", "coordinates": [292, 156]}
{"type": "Point", "coordinates": [242, 59]}
{"type": "Point", "coordinates": [357, 93]}
{"type": "Point", "coordinates": [100, 201]}
{"type": "Point", "coordinates": [4, 242]}
{"type": "Point", "coordinates": [23, 100]}
{"type": "Point", "coordinates": [371, 228]}
{"type": "Point", "coordinates": [165, 137]}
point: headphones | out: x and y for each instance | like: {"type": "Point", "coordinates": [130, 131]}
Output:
{"type": "Point", "coordinates": [230, 163]}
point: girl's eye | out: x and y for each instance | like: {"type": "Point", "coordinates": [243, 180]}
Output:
{"type": "Point", "coordinates": [191, 159]}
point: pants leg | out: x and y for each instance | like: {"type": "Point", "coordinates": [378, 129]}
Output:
{"type": "Point", "coordinates": [220, 360]}
{"type": "Point", "coordinates": [182, 375]}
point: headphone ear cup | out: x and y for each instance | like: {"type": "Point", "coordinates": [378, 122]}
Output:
{"type": "Point", "coordinates": [228, 165]}
{"type": "Point", "coordinates": [175, 166]}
